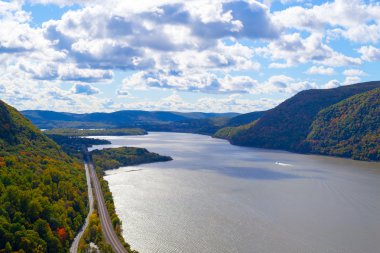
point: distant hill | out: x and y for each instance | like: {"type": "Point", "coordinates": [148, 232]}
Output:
{"type": "Point", "coordinates": [350, 128]}
{"type": "Point", "coordinates": [43, 192]}
{"type": "Point", "coordinates": [288, 125]}
{"type": "Point", "coordinates": [120, 119]}
{"type": "Point", "coordinates": [207, 126]}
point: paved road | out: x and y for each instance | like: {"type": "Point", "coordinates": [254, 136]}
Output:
{"type": "Point", "coordinates": [74, 245]}
{"type": "Point", "coordinates": [108, 231]}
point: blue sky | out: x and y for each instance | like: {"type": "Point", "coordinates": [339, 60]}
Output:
{"type": "Point", "coordinates": [197, 55]}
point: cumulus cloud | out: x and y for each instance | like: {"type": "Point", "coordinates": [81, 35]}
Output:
{"type": "Point", "coordinates": [231, 103]}
{"type": "Point", "coordinates": [331, 84]}
{"type": "Point", "coordinates": [293, 49]}
{"type": "Point", "coordinates": [65, 72]}
{"type": "Point", "coordinates": [211, 83]}
{"type": "Point", "coordinates": [102, 38]}
{"type": "Point", "coordinates": [351, 80]}
{"type": "Point", "coordinates": [219, 47]}
{"type": "Point", "coordinates": [86, 89]}
{"type": "Point", "coordinates": [195, 82]}
{"type": "Point", "coordinates": [370, 53]}
{"type": "Point", "coordinates": [335, 83]}
{"type": "Point", "coordinates": [354, 72]}
{"type": "Point", "coordinates": [354, 20]}
{"type": "Point", "coordinates": [17, 36]}
{"type": "Point", "coordinates": [320, 70]}
{"type": "Point", "coordinates": [286, 84]}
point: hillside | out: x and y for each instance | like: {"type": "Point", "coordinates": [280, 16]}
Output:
{"type": "Point", "coordinates": [287, 125]}
{"type": "Point", "coordinates": [233, 132]}
{"type": "Point", "coordinates": [120, 119]}
{"type": "Point", "coordinates": [244, 119]}
{"type": "Point", "coordinates": [350, 128]}
{"type": "Point", "coordinates": [43, 192]}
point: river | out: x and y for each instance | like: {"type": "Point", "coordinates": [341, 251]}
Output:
{"type": "Point", "coordinates": [215, 197]}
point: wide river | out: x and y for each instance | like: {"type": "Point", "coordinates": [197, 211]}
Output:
{"type": "Point", "coordinates": [215, 197]}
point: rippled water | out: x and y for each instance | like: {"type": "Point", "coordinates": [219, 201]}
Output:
{"type": "Point", "coordinates": [215, 197]}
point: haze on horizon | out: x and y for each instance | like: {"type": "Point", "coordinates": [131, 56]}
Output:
{"type": "Point", "coordinates": [198, 55]}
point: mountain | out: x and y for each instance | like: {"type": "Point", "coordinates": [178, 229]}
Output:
{"type": "Point", "coordinates": [234, 132]}
{"type": "Point", "coordinates": [350, 128]}
{"type": "Point", "coordinates": [246, 118]}
{"type": "Point", "coordinates": [120, 119]}
{"type": "Point", "coordinates": [43, 192]}
{"type": "Point", "coordinates": [287, 126]}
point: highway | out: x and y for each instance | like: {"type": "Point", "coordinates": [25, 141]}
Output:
{"type": "Point", "coordinates": [107, 228]}
{"type": "Point", "coordinates": [74, 245]}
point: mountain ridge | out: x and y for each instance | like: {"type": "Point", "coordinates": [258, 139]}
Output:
{"type": "Point", "coordinates": [287, 125]}
{"type": "Point", "coordinates": [119, 119]}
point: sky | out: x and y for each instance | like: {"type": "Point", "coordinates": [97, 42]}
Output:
{"type": "Point", "coordinates": [175, 55]}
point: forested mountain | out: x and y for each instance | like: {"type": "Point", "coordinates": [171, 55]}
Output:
{"type": "Point", "coordinates": [43, 192]}
{"type": "Point", "coordinates": [246, 118]}
{"type": "Point", "coordinates": [350, 128]}
{"type": "Point", "coordinates": [288, 125]}
{"type": "Point", "coordinates": [120, 119]}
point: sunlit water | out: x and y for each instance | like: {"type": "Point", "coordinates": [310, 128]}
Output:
{"type": "Point", "coordinates": [215, 197]}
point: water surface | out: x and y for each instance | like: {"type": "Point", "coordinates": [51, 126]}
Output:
{"type": "Point", "coordinates": [215, 197]}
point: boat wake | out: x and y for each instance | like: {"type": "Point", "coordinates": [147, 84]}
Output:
{"type": "Point", "coordinates": [284, 164]}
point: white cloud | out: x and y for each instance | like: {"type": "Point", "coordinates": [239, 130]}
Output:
{"type": "Point", "coordinates": [211, 83]}
{"type": "Point", "coordinates": [352, 80]}
{"type": "Point", "coordinates": [331, 84]}
{"type": "Point", "coordinates": [355, 20]}
{"type": "Point", "coordinates": [195, 82]}
{"type": "Point", "coordinates": [286, 84]}
{"type": "Point", "coordinates": [354, 72]}
{"type": "Point", "coordinates": [65, 72]}
{"type": "Point", "coordinates": [292, 49]}
{"type": "Point", "coordinates": [370, 53]}
{"type": "Point", "coordinates": [202, 46]}
{"type": "Point", "coordinates": [320, 70]}
{"type": "Point", "coordinates": [232, 103]}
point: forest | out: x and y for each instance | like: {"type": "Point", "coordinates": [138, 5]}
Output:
{"type": "Point", "coordinates": [43, 192]}
{"type": "Point", "coordinates": [341, 122]}
{"type": "Point", "coordinates": [350, 128]}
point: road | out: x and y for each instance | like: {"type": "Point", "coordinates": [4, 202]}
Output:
{"type": "Point", "coordinates": [107, 228]}
{"type": "Point", "coordinates": [74, 245]}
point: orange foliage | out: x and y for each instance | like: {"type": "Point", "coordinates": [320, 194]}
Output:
{"type": "Point", "coordinates": [61, 233]}
{"type": "Point", "coordinates": [2, 162]}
